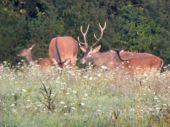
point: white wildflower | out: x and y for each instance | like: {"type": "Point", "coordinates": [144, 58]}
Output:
{"type": "Point", "coordinates": [99, 74]}
{"type": "Point", "coordinates": [67, 93]}
{"type": "Point", "coordinates": [52, 95]}
{"type": "Point", "coordinates": [28, 100]}
{"type": "Point", "coordinates": [82, 104]}
{"type": "Point", "coordinates": [132, 109]}
{"type": "Point", "coordinates": [65, 114]}
{"type": "Point", "coordinates": [62, 102]}
{"type": "Point", "coordinates": [73, 108]}
{"type": "Point", "coordinates": [165, 105]}
{"type": "Point", "coordinates": [156, 98]}
{"type": "Point", "coordinates": [24, 90]}
{"type": "Point", "coordinates": [12, 105]}
{"type": "Point", "coordinates": [150, 109]}
{"type": "Point", "coordinates": [86, 95]}
{"type": "Point", "coordinates": [19, 63]}
{"type": "Point", "coordinates": [75, 92]}
{"type": "Point", "coordinates": [90, 78]}
{"type": "Point", "coordinates": [104, 67]}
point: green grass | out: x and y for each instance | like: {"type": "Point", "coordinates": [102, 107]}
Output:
{"type": "Point", "coordinates": [85, 97]}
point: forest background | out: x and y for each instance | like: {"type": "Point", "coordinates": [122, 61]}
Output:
{"type": "Point", "coordinates": [134, 25]}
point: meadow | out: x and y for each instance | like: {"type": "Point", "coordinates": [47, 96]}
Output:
{"type": "Point", "coordinates": [83, 97]}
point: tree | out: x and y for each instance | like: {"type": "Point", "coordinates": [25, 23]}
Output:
{"type": "Point", "coordinates": [135, 25]}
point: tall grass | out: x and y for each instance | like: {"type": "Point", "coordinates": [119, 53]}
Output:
{"type": "Point", "coordinates": [84, 97]}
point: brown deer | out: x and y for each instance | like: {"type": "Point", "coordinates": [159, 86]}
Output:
{"type": "Point", "coordinates": [42, 62]}
{"type": "Point", "coordinates": [139, 62]}
{"type": "Point", "coordinates": [64, 49]}
{"type": "Point", "coordinates": [133, 62]}
{"type": "Point", "coordinates": [92, 54]}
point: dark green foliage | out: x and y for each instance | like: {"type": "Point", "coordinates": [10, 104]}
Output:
{"type": "Point", "coordinates": [13, 33]}
{"type": "Point", "coordinates": [135, 25]}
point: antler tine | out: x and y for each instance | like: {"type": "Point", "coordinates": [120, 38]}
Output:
{"type": "Point", "coordinates": [80, 41]}
{"type": "Point", "coordinates": [104, 27]}
{"type": "Point", "coordinates": [84, 33]}
{"type": "Point", "coordinates": [84, 36]}
{"type": "Point", "coordinates": [101, 35]}
{"type": "Point", "coordinates": [32, 46]}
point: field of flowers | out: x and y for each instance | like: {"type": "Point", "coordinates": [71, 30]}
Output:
{"type": "Point", "coordinates": [84, 97]}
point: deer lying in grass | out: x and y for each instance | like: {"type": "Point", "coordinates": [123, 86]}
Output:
{"type": "Point", "coordinates": [137, 63]}
{"type": "Point", "coordinates": [42, 62]}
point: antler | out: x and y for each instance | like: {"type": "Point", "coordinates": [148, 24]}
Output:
{"type": "Point", "coordinates": [101, 34]}
{"type": "Point", "coordinates": [32, 46]}
{"type": "Point", "coordinates": [84, 36]}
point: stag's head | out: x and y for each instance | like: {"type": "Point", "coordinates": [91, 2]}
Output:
{"type": "Point", "coordinates": [90, 51]}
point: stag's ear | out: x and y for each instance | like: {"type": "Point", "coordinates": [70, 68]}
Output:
{"type": "Point", "coordinates": [83, 49]}
{"type": "Point", "coordinates": [97, 49]}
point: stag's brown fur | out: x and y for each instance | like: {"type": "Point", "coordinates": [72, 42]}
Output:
{"type": "Point", "coordinates": [99, 59]}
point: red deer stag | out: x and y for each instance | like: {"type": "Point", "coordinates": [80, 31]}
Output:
{"type": "Point", "coordinates": [133, 62]}
{"type": "Point", "coordinates": [64, 49]}
{"type": "Point", "coordinates": [92, 54]}
{"type": "Point", "coordinates": [43, 62]}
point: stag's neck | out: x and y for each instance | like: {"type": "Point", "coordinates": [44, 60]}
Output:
{"type": "Point", "coordinates": [102, 58]}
